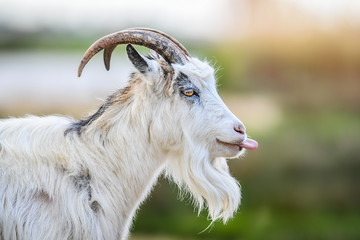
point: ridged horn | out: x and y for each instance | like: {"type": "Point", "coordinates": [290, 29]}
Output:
{"type": "Point", "coordinates": [167, 47]}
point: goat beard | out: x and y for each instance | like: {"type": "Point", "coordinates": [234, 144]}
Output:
{"type": "Point", "coordinates": [208, 181]}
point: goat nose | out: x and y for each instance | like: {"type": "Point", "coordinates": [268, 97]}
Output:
{"type": "Point", "coordinates": [240, 129]}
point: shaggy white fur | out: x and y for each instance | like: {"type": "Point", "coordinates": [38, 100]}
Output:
{"type": "Point", "coordinates": [66, 179]}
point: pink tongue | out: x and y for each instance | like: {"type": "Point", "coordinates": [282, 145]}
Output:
{"type": "Point", "coordinates": [250, 144]}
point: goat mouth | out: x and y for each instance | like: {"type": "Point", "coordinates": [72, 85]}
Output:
{"type": "Point", "coordinates": [248, 143]}
{"type": "Point", "coordinates": [230, 145]}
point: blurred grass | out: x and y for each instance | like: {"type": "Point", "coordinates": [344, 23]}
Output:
{"type": "Point", "coordinates": [263, 223]}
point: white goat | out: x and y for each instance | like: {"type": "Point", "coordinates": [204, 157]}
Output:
{"type": "Point", "coordinates": [62, 178]}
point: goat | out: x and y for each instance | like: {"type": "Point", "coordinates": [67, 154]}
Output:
{"type": "Point", "coordinates": [62, 178]}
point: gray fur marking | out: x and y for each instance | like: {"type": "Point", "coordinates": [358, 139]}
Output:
{"type": "Point", "coordinates": [82, 182]}
{"type": "Point", "coordinates": [183, 83]}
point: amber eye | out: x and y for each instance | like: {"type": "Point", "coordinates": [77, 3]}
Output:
{"type": "Point", "coordinates": [189, 93]}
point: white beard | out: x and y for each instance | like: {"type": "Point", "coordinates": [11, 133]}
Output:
{"type": "Point", "coordinates": [208, 181]}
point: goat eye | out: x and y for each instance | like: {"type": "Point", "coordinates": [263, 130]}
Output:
{"type": "Point", "coordinates": [189, 93]}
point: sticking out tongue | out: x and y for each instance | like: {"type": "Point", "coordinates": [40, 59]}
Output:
{"type": "Point", "coordinates": [250, 144]}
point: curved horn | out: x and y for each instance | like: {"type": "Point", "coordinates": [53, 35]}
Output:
{"type": "Point", "coordinates": [170, 49]}
{"type": "Point", "coordinates": [167, 36]}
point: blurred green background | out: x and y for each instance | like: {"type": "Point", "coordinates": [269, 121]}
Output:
{"type": "Point", "coordinates": [289, 69]}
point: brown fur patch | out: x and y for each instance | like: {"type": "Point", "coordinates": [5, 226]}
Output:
{"type": "Point", "coordinates": [42, 196]}
{"type": "Point", "coordinates": [166, 67]}
{"type": "Point", "coordinates": [168, 72]}
{"type": "Point", "coordinates": [121, 97]}
{"type": "Point", "coordinates": [125, 94]}
{"type": "Point", "coordinates": [149, 131]}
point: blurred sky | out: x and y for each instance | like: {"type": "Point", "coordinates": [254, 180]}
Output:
{"type": "Point", "coordinates": [200, 21]}
{"type": "Point", "coordinates": [210, 19]}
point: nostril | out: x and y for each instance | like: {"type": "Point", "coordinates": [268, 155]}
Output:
{"type": "Point", "coordinates": [240, 129]}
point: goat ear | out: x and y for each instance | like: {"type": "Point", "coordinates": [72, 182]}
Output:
{"type": "Point", "coordinates": [139, 61]}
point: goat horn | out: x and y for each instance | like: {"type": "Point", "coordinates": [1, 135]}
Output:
{"type": "Point", "coordinates": [170, 49]}
{"type": "Point", "coordinates": [183, 49]}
